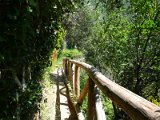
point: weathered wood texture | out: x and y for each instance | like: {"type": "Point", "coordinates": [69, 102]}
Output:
{"type": "Point", "coordinates": [135, 106]}
{"type": "Point", "coordinates": [91, 100]}
{"type": "Point", "coordinates": [70, 72]}
{"type": "Point", "coordinates": [100, 113]}
{"type": "Point", "coordinates": [71, 106]}
{"type": "Point", "coordinates": [83, 93]}
{"type": "Point", "coordinates": [76, 81]}
{"type": "Point", "coordinates": [66, 67]}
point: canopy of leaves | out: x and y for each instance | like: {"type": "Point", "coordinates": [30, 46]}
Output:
{"type": "Point", "coordinates": [122, 39]}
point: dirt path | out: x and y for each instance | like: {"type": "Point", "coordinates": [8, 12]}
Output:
{"type": "Point", "coordinates": [54, 105]}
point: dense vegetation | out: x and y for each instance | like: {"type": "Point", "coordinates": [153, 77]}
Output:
{"type": "Point", "coordinates": [29, 31]}
{"type": "Point", "coordinates": [122, 39]}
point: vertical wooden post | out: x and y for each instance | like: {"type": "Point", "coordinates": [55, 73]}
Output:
{"type": "Point", "coordinates": [70, 73]}
{"type": "Point", "coordinates": [67, 67]}
{"type": "Point", "coordinates": [69, 70]}
{"type": "Point", "coordinates": [76, 81]}
{"type": "Point", "coordinates": [64, 65]}
{"type": "Point", "coordinates": [91, 100]}
{"type": "Point", "coordinates": [100, 113]}
{"type": "Point", "coordinates": [73, 76]}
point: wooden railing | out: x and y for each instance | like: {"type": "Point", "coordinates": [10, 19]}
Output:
{"type": "Point", "coordinates": [136, 107]}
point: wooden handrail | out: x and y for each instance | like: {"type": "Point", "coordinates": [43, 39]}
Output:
{"type": "Point", "coordinates": [133, 105]}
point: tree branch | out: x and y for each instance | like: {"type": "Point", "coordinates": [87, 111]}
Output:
{"type": "Point", "coordinates": [17, 79]}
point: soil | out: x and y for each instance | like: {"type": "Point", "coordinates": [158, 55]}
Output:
{"type": "Point", "coordinates": [54, 105]}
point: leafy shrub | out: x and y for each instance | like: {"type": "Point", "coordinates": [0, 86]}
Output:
{"type": "Point", "coordinates": [154, 100]}
{"type": "Point", "coordinates": [71, 53]}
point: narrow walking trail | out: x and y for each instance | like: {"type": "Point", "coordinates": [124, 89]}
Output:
{"type": "Point", "coordinates": [62, 109]}
{"type": "Point", "coordinates": [55, 106]}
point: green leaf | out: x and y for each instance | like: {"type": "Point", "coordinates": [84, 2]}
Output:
{"type": "Point", "coordinates": [32, 3]}
{"type": "Point", "coordinates": [2, 39]}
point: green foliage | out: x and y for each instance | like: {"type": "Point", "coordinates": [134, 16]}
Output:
{"type": "Point", "coordinates": [153, 100]}
{"type": "Point", "coordinates": [122, 40]}
{"type": "Point", "coordinates": [71, 53]}
{"type": "Point", "coordinates": [60, 36]}
{"type": "Point", "coordinates": [29, 100]}
{"type": "Point", "coordinates": [83, 79]}
{"type": "Point", "coordinates": [108, 108]}
{"type": "Point", "coordinates": [77, 28]}
{"type": "Point", "coordinates": [29, 31]}
{"type": "Point", "coordinates": [84, 107]}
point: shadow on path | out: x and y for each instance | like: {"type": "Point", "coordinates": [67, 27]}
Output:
{"type": "Point", "coordinates": [62, 110]}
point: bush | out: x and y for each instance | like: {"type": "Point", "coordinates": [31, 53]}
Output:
{"type": "Point", "coordinates": [71, 53]}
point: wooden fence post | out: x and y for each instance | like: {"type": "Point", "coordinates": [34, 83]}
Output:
{"type": "Point", "coordinates": [91, 100]}
{"type": "Point", "coordinates": [64, 65]}
{"type": "Point", "coordinates": [76, 81]}
{"type": "Point", "coordinates": [70, 72]}
{"type": "Point", "coordinates": [100, 113]}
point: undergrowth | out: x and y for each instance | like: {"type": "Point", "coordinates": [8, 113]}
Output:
{"type": "Point", "coordinates": [70, 53]}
